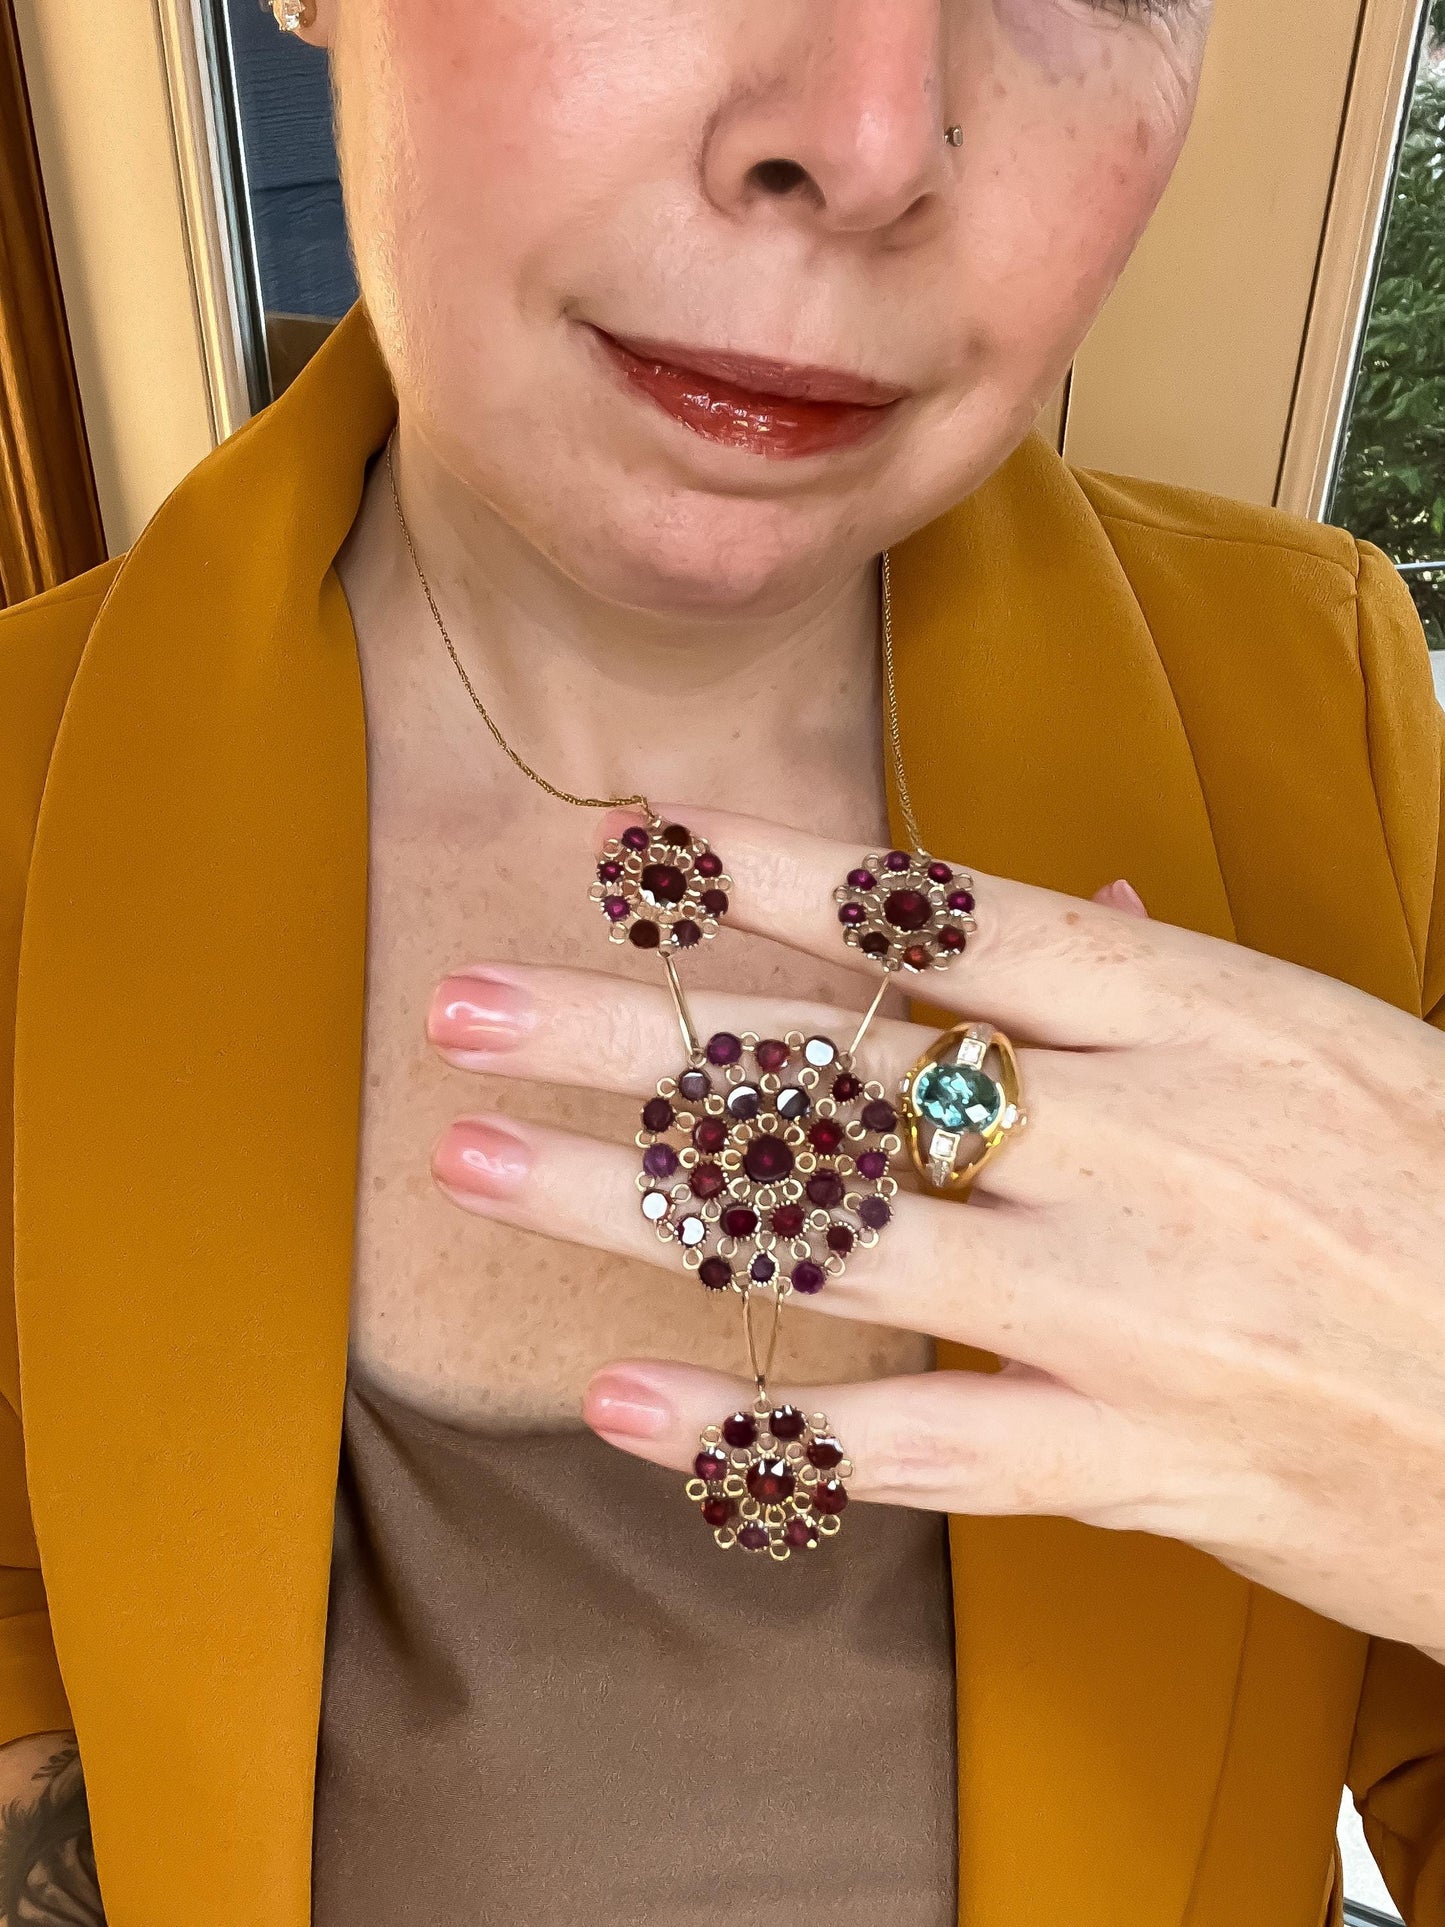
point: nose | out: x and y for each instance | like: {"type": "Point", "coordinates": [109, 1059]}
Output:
{"type": "Point", "coordinates": [843, 123]}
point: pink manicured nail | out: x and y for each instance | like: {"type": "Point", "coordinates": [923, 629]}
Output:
{"type": "Point", "coordinates": [481, 1159]}
{"type": "Point", "coordinates": [479, 1013]}
{"type": "Point", "coordinates": [1123, 896]}
{"type": "Point", "coordinates": [626, 1406]}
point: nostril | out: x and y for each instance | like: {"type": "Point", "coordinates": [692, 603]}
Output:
{"type": "Point", "coordinates": [779, 177]}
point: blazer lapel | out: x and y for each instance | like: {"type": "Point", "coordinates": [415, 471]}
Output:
{"type": "Point", "coordinates": [1096, 1671]}
{"type": "Point", "coordinates": [187, 1090]}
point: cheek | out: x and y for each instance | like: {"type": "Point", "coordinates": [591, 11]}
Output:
{"type": "Point", "coordinates": [438, 100]}
{"type": "Point", "coordinates": [1070, 159]}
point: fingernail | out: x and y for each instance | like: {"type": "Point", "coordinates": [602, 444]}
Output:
{"type": "Point", "coordinates": [481, 1159]}
{"type": "Point", "coordinates": [1123, 896]}
{"type": "Point", "coordinates": [625, 1406]}
{"type": "Point", "coordinates": [479, 1013]}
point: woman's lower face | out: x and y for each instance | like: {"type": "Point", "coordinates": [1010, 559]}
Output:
{"type": "Point", "coordinates": [707, 304]}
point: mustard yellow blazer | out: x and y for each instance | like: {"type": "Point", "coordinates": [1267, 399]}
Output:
{"type": "Point", "coordinates": [1098, 678]}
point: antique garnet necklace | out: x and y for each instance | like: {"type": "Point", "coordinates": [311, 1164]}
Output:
{"type": "Point", "coordinates": [766, 1162]}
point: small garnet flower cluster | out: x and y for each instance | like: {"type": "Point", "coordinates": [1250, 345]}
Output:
{"type": "Point", "coordinates": [771, 1480]}
{"type": "Point", "coordinates": [769, 1162]}
{"type": "Point", "coordinates": [661, 888]}
{"type": "Point", "coordinates": [907, 911]}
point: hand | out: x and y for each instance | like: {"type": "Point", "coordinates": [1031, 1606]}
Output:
{"type": "Point", "coordinates": [1215, 1259]}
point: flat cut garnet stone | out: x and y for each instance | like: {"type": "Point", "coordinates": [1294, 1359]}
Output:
{"type": "Point", "coordinates": [772, 1481]}
{"type": "Point", "coordinates": [905, 909]}
{"type": "Point", "coordinates": [768, 1160]}
{"type": "Point", "coordinates": [663, 883]}
{"type": "Point", "coordinates": [659, 1161]}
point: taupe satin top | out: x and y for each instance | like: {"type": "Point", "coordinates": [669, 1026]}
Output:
{"type": "Point", "coordinates": [550, 1699]}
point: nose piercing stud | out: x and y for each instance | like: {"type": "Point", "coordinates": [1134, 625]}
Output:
{"type": "Point", "coordinates": [954, 136]}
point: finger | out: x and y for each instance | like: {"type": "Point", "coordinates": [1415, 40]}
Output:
{"type": "Point", "coordinates": [1121, 895]}
{"type": "Point", "coordinates": [585, 1029]}
{"type": "Point", "coordinates": [964, 1442]}
{"type": "Point", "coordinates": [986, 1276]}
{"type": "Point", "coordinates": [1051, 968]}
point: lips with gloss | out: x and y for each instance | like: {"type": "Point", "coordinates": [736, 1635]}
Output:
{"type": "Point", "coordinates": [767, 408]}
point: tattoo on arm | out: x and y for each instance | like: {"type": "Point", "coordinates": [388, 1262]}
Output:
{"type": "Point", "coordinates": [47, 1862]}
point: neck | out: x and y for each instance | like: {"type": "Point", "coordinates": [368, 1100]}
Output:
{"type": "Point", "coordinates": [741, 711]}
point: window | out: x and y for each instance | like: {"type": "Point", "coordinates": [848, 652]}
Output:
{"type": "Point", "coordinates": [303, 265]}
{"type": "Point", "coordinates": [1390, 483]}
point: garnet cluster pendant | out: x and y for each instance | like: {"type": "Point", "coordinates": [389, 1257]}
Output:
{"type": "Point", "coordinates": [771, 1480]}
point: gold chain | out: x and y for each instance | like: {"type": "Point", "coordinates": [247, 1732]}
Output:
{"type": "Point", "coordinates": [890, 690]}
{"type": "Point", "coordinates": [563, 796]}
{"type": "Point", "coordinates": [890, 694]}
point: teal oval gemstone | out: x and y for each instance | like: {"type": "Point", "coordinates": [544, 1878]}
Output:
{"type": "Point", "coordinates": [956, 1097]}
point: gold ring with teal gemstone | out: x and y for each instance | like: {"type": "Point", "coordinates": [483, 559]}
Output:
{"type": "Point", "coordinates": [961, 1103]}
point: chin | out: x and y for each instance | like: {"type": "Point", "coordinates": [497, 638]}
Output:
{"type": "Point", "coordinates": [695, 556]}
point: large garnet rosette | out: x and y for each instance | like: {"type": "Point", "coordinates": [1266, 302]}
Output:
{"type": "Point", "coordinates": [768, 1163]}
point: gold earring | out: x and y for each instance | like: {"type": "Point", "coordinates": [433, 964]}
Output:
{"type": "Point", "coordinates": [293, 15]}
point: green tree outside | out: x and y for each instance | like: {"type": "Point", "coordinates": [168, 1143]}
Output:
{"type": "Point", "coordinates": [1391, 485]}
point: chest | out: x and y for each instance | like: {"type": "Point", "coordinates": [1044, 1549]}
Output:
{"type": "Point", "coordinates": [469, 1319]}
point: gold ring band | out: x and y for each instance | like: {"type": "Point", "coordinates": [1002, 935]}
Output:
{"type": "Point", "coordinates": [956, 1114]}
